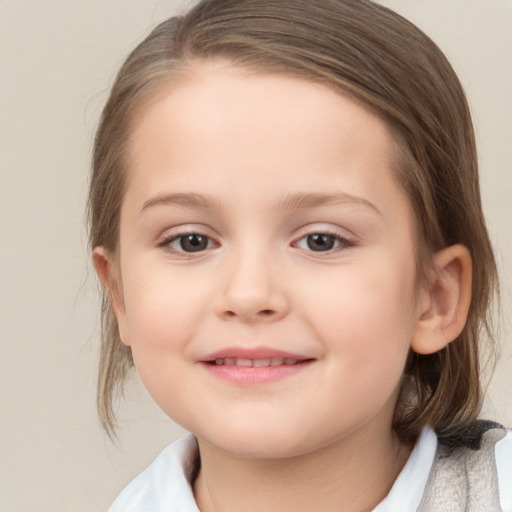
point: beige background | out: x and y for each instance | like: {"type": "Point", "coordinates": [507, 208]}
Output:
{"type": "Point", "coordinates": [57, 59]}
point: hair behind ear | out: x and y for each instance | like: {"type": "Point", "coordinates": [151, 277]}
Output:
{"type": "Point", "coordinates": [441, 386]}
{"type": "Point", "coordinates": [115, 356]}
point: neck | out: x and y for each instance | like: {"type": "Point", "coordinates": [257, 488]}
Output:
{"type": "Point", "coordinates": [355, 474]}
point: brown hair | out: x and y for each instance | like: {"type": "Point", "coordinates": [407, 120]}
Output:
{"type": "Point", "coordinates": [384, 62]}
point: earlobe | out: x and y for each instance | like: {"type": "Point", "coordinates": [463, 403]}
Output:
{"type": "Point", "coordinates": [444, 306]}
{"type": "Point", "coordinates": [108, 273]}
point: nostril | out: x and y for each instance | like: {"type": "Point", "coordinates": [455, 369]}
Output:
{"type": "Point", "coordinates": [266, 312]}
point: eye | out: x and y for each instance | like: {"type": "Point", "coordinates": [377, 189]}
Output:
{"type": "Point", "coordinates": [188, 243]}
{"type": "Point", "coordinates": [322, 242]}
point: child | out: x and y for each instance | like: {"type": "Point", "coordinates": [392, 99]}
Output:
{"type": "Point", "coordinates": [285, 216]}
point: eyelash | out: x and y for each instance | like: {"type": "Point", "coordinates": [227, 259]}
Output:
{"type": "Point", "coordinates": [341, 243]}
{"type": "Point", "coordinates": [166, 243]}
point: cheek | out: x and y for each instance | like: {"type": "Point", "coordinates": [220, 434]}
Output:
{"type": "Point", "coordinates": [159, 329]}
{"type": "Point", "coordinates": [162, 310]}
{"type": "Point", "coordinates": [366, 315]}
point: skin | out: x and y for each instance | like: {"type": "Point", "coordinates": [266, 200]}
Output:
{"type": "Point", "coordinates": [256, 146]}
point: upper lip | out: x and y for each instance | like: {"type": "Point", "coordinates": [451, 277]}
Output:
{"type": "Point", "coordinates": [251, 353]}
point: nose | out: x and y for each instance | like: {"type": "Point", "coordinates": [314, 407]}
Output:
{"type": "Point", "coordinates": [252, 290]}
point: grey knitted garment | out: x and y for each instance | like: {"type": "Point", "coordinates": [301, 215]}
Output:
{"type": "Point", "coordinates": [465, 479]}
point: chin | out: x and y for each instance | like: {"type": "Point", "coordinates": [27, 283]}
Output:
{"type": "Point", "coordinates": [258, 443]}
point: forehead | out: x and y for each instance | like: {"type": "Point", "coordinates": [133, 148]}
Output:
{"type": "Point", "coordinates": [222, 125]}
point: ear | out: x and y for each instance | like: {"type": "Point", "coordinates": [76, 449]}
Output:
{"type": "Point", "coordinates": [107, 269]}
{"type": "Point", "coordinates": [444, 306]}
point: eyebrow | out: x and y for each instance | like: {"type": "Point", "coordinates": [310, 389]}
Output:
{"type": "Point", "coordinates": [305, 201]}
{"type": "Point", "coordinates": [189, 200]}
{"type": "Point", "coordinates": [296, 201]}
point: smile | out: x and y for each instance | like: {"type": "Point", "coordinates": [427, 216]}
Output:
{"type": "Point", "coordinates": [255, 363]}
{"type": "Point", "coordinates": [255, 366]}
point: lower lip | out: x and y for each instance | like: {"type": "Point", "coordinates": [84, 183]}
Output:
{"type": "Point", "coordinates": [250, 375]}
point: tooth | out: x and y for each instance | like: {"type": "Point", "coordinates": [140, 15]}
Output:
{"type": "Point", "coordinates": [261, 362]}
{"type": "Point", "coordinates": [276, 361]}
{"type": "Point", "coordinates": [219, 362]}
{"type": "Point", "coordinates": [230, 361]}
{"type": "Point", "coordinates": [243, 362]}
{"type": "Point", "coordinates": [290, 361]}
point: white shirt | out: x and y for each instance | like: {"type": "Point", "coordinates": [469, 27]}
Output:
{"type": "Point", "coordinates": [165, 486]}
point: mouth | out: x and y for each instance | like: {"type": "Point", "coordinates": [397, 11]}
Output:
{"type": "Point", "coordinates": [254, 366]}
{"type": "Point", "coordinates": [256, 363]}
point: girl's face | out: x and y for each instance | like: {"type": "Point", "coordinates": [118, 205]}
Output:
{"type": "Point", "coordinates": [267, 263]}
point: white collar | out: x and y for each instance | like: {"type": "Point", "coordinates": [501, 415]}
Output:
{"type": "Point", "coordinates": [166, 485]}
{"type": "Point", "coordinates": [408, 489]}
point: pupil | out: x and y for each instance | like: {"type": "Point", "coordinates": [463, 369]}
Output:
{"type": "Point", "coordinates": [193, 243]}
{"type": "Point", "coordinates": [320, 242]}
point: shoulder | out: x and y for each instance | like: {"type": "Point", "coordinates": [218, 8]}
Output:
{"type": "Point", "coordinates": [473, 475]}
{"type": "Point", "coordinates": [504, 466]}
{"type": "Point", "coordinates": [432, 473]}
{"type": "Point", "coordinates": [165, 485]}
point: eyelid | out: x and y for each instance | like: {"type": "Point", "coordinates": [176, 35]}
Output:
{"type": "Point", "coordinates": [326, 228]}
{"type": "Point", "coordinates": [173, 234]}
{"type": "Point", "coordinates": [348, 240]}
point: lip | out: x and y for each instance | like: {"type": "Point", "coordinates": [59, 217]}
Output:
{"type": "Point", "coordinates": [251, 353]}
{"type": "Point", "coordinates": [253, 375]}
